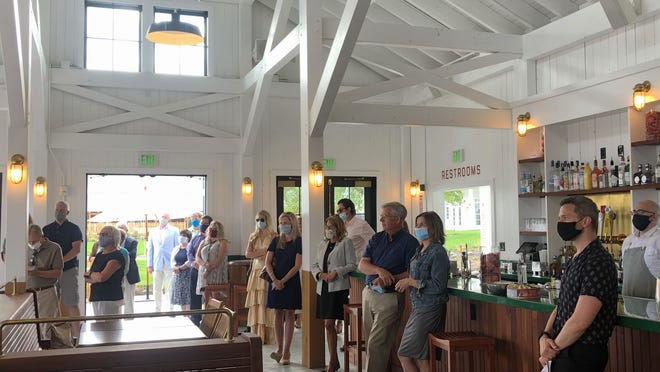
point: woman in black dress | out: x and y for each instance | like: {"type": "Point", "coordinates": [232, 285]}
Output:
{"type": "Point", "coordinates": [335, 261]}
{"type": "Point", "coordinates": [283, 262]}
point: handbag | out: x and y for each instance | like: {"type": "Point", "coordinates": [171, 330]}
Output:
{"type": "Point", "coordinates": [264, 273]}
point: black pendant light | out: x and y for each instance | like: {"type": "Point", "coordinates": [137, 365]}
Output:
{"type": "Point", "coordinates": [174, 32]}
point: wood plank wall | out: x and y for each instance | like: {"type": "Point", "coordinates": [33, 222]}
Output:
{"type": "Point", "coordinates": [23, 337]}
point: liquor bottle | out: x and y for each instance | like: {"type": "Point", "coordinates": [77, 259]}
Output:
{"type": "Point", "coordinates": [558, 172]}
{"type": "Point", "coordinates": [587, 177]}
{"type": "Point", "coordinates": [657, 170]}
{"type": "Point", "coordinates": [614, 174]}
{"type": "Point", "coordinates": [572, 175]}
{"type": "Point", "coordinates": [637, 177]}
{"type": "Point", "coordinates": [604, 180]}
{"type": "Point", "coordinates": [650, 173]}
{"type": "Point", "coordinates": [551, 179]}
{"type": "Point", "coordinates": [622, 171]}
{"type": "Point", "coordinates": [580, 177]}
{"type": "Point", "coordinates": [564, 177]}
{"type": "Point", "coordinates": [595, 174]}
{"type": "Point", "coordinates": [627, 172]}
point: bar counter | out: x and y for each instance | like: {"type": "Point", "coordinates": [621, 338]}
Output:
{"type": "Point", "coordinates": [516, 324]}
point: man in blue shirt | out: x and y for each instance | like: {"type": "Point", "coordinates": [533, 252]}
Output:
{"type": "Point", "coordinates": [162, 240]}
{"type": "Point", "coordinates": [385, 261]}
{"type": "Point", "coordinates": [69, 237]}
{"type": "Point", "coordinates": [191, 250]}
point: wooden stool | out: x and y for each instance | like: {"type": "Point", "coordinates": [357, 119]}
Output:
{"type": "Point", "coordinates": [238, 299]}
{"type": "Point", "coordinates": [454, 342]}
{"type": "Point", "coordinates": [353, 315]}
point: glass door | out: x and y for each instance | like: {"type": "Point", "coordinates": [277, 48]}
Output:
{"type": "Point", "coordinates": [361, 191]}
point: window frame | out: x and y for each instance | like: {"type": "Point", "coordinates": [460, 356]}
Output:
{"type": "Point", "coordinates": [182, 12]}
{"type": "Point", "coordinates": [112, 5]}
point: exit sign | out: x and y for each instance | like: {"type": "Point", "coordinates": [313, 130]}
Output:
{"type": "Point", "coordinates": [328, 164]}
{"type": "Point", "coordinates": [457, 156]}
{"type": "Point", "coordinates": [148, 160]}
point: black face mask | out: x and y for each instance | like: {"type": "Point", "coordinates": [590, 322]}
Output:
{"type": "Point", "coordinates": [641, 222]}
{"type": "Point", "coordinates": [203, 228]}
{"type": "Point", "coordinates": [567, 230]}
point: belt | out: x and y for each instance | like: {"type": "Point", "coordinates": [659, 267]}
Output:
{"type": "Point", "coordinates": [38, 289]}
{"type": "Point", "coordinates": [382, 290]}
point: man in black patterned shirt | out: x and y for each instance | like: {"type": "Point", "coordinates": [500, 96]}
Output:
{"type": "Point", "coordinates": [576, 334]}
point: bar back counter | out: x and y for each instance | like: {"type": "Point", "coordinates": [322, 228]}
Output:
{"type": "Point", "coordinates": [516, 325]}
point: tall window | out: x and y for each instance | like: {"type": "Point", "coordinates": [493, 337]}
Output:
{"type": "Point", "coordinates": [181, 60]}
{"type": "Point", "coordinates": [112, 37]}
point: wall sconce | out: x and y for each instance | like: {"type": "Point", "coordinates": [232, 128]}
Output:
{"type": "Point", "coordinates": [639, 94]}
{"type": "Point", "coordinates": [523, 119]}
{"type": "Point", "coordinates": [16, 168]}
{"type": "Point", "coordinates": [40, 187]}
{"type": "Point", "coordinates": [317, 174]}
{"type": "Point", "coordinates": [414, 188]}
{"type": "Point", "coordinates": [247, 186]}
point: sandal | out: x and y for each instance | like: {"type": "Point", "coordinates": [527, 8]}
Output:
{"type": "Point", "coordinates": [276, 356]}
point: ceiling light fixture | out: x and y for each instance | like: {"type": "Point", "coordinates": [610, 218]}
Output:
{"type": "Point", "coordinates": [174, 32]}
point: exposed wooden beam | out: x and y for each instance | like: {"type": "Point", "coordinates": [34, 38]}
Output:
{"type": "Point", "coordinates": [130, 80]}
{"type": "Point", "coordinates": [525, 13]}
{"type": "Point", "coordinates": [486, 17]}
{"type": "Point", "coordinates": [414, 79]}
{"type": "Point", "coordinates": [441, 12]}
{"type": "Point", "coordinates": [14, 62]}
{"type": "Point", "coordinates": [258, 105]}
{"type": "Point", "coordinates": [275, 60]}
{"type": "Point", "coordinates": [172, 144]}
{"type": "Point", "coordinates": [137, 111]}
{"type": "Point", "coordinates": [619, 12]}
{"type": "Point", "coordinates": [336, 63]}
{"type": "Point", "coordinates": [360, 113]}
{"type": "Point", "coordinates": [407, 36]}
{"type": "Point", "coordinates": [559, 7]}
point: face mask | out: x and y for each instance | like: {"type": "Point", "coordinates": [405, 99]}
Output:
{"type": "Point", "coordinates": [195, 223]}
{"type": "Point", "coordinates": [60, 216]}
{"type": "Point", "coordinates": [105, 241]}
{"type": "Point", "coordinates": [203, 227]}
{"type": "Point", "coordinates": [34, 246]}
{"type": "Point", "coordinates": [421, 233]}
{"type": "Point", "coordinates": [183, 239]}
{"type": "Point", "coordinates": [213, 233]}
{"type": "Point", "coordinates": [329, 234]}
{"type": "Point", "coordinates": [261, 225]}
{"type": "Point", "coordinates": [641, 222]}
{"type": "Point", "coordinates": [567, 230]}
{"type": "Point", "coordinates": [285, 229]}
{"type": "Point", "coordinates": [343, 216]}
{"type": "Point", "coordinates": [164, 221]}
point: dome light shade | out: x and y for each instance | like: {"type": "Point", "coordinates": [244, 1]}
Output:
{"type": "Point", "coordinates": [174, 32]}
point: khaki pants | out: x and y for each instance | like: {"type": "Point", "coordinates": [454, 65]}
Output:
{"type": "Point", "coordinates": [381, 314]}
{"type": "Point", "coordinates": [49, 307]}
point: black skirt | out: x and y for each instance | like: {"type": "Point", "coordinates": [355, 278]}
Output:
{"type": "Point", "coordinates": [330, 305]}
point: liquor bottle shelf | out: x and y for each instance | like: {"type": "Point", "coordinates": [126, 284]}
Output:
{"type": "Point", "coordinates": [609, 190]}
{"type": "Point", "coordinates": [538, 159]}
{"type": "Point", "coordinates": [653, 142]}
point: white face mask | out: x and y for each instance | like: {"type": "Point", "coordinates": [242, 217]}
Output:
{"type": "Point", "coordinates": [329, 234]}
{"type": "Point", "coordinates": [34, 246]}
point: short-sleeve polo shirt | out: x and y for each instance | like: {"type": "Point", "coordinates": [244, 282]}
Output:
{"type": "Point", "coordinates": [64, 235]}
{"type": "Point", "coordinates": [392, 253]}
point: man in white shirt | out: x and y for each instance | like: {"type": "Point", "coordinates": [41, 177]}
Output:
{"type": "Point", "coordinates": [641, 252]}
{"type": "Point", "coordinates": [162, 240]}
{"type": "Point", "coordinates": [359, 230]}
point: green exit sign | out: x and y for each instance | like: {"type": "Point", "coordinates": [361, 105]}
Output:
{"type": "Point", "coordinates": [148, 160]}
{"type": "Point", "coordinates": [328, 164]}
{"type": "Point", "coordinates": [457, 156]}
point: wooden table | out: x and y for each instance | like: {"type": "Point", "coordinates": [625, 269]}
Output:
{"type": "Point", "coordinates": [139, 330]}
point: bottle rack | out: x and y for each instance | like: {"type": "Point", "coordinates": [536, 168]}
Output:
{"type": "Point", "coordinates": [582, 139]}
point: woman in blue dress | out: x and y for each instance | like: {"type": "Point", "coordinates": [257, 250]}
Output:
{"type": "Point", "coordinates": [180, 287]}
{"type": "Point", "coordinates": [429, 273]}
{"type": "Point", "coordinates": [283, 262]}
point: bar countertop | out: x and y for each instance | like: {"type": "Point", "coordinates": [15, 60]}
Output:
{"type": "Point", "coordinates": [632, 312]}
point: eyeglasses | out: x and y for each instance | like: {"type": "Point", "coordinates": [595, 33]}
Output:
{"type": "Point", "coordinates": [641, 212]}
{"type": "Point", "coordinates": [104, 234]}
{"type": "Point", "coordinates": [339, 210]}
{"type": "Point", "coordinates": [260, 220]}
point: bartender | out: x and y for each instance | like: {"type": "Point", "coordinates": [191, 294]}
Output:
{"type": "Point", "coordinates": [641, 252]}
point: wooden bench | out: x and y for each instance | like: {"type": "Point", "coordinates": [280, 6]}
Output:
{"type": "Point", "coordinates": [242, 354]}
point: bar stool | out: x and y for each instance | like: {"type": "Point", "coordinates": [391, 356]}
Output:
{"type": "Point", "coordinates": [238, 292]}
{"type": "Point", "coordinates": [454, 342]}
{"type": "Point", "coordinates": [353, 315]}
